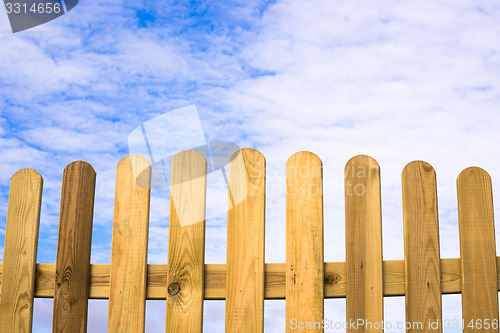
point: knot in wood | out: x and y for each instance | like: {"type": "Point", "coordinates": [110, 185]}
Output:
{"type": "Point", "coordinates": [331, 279]}
{"type": "Point", "coordinates": [173, 289]}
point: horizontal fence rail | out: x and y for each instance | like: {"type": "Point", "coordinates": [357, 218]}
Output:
{"type": "Point", "coordinates": [245, 281]}
{"type": "Point", "coordinates": [274, 280]}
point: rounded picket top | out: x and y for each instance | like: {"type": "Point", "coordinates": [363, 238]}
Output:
{"type": "Point", "coordinates": [78, 176]}
{"type": "Point", "coordinates": [188, 154]}
{"type": "Point", "coordinates": [26, 180]}
{"type": "Point", "coordinates": [191, 159]}
{"type": "Point", "coordinates": [361, 166]}
{"type": "Point", "coordinates": [418, 164]}
{"type": "Point", "coordinates": [139, 167]}
{"type": "Point", "coordinates": [305, 154]}
{"type": "Point", "coordinates": [256, 154]}
{"type": "Point", "coordinates": [27, 173]}
{"type": "Point", "coordinates": [247, 174]}
{"type": "Point", "coordinates": [303, 165]}
{"type": "Point", "coordinates": [361, 160]}
{"type": "Point", "coordinates": [473, 173]}
{"type": "Point", "coordinates": [80, 166]}
{"type": "Point", "coordinates": [134, 159]}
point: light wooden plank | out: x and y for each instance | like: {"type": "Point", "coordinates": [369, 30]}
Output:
{"type": "Point", "coordinates": [186, 244]}
{"type": "Point", "coordinates": [73, 249]}
{"type": "Point", "coordinates": [127, 298]}
{"type": "Point", "coordinates": [274, 280]}
{"type": "Point", "coordinates": [21, 242]}
{"type": "Point", "coordinates": [304, 241]}
{"type": "Point", "coordinates": [363, 228]}
{"type": "Point", "coordinates": [421, 242]}
{"type": "Point", "coordinates": [477, 249]}
{"type": "Point", "coordinates": [245, 243]}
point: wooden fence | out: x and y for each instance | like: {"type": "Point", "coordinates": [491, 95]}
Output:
{"type": "Point", "coordinates": [305, 280]}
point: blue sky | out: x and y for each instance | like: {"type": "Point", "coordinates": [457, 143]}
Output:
{"type": "Point", "coordinates": [396, 80]}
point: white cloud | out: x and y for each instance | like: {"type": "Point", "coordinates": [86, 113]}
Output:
{"type": "Point", "coordinates": [61, 140]}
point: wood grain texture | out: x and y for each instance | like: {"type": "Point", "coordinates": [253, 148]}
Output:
{"type": "Point", "coordinates": [21, 242]}
{"type": "Point", "coordinates": [304, 241]}
{"type": "Point", "coordinates": [73, 249]}
{"type": "Point", "coordinates": [245, 243]}
{"type": "Point", "coordinates": [421, 243]}
{"type": "Point", "coordinates": [477, 248]}
{"type": "Point", "coordinates": [274, 280]}
{"type": "Point", "coordinates": [364, 285]}
{"type": "Point", "coordinates": [127, 297]}
{"type": "Point", "coordinates": [186, 244]}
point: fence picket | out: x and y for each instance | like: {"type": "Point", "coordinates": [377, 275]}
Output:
{"type": "Point", "coordinates": [186, 244]}
{"type": "Point", "coordinates": [127, 297]}
{"type": "Point", "coordinates": [21, 239]}
{"type": "Point", "coordinates": [73, 249]}
{"type": "Point", "coordinates": [304, 242]}
{"type": "Point", "coordinates": [364, 285]}
{"type": "Point", "coordinates": [245, 243]}
{"type": "Point", "coordinates": [477, 250]}
{"type": "Point", "coordinates": [421, 242]}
